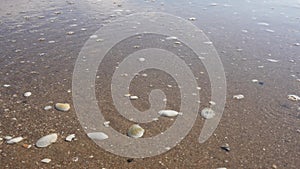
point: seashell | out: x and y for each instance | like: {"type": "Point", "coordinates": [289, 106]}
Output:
{"type": "Point", "coordinates": [47, 108]}
{"type": "Point", "coordinates": [171, 38]}
{"type": "Point", "coordinates": [192, 19]}
{"type": "Point", "coordinates": [133, 97]}
{"type": "Point", "coordinates": [169, 113]}
{"type": "Point", "coordinates": [27, 94]}
{"type": "Point", "coordinates": [142, 59]}
{"type": "Point", "coordinates": [7, 137]}
{"type": "Point", "coordinates": [62, 106]}
{"type": "Point", "coordinates": [70, 137]}
{"type": "Point", "coordinates": [239, 96]}
{"type": "Point", "coordinates": [135, 131]}
{"type": "Point", "coordinates": [70, 33]}
{"type": "Point", "coordinates": [14, 140]}
{"type": "Point", "coordinates": [293, 97]}
{"type": "Point", "coordinates": [106, 123]}
{"type": "Point", "coordinates": [97, 136]}
{"type": "Point", "coordinates": [46, 160]}
{"type": "Point", "coordinates": [212, 103]}
{"type": "Point", "coordinates": [46, 140]}
{"type": "Point", "coordinates": [273, 60]}
{"type": "Point", "coordinates": [207, 113]}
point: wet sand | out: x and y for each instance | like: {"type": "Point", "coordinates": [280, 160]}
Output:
{"type": "Point", "coordinates": [262, 129]}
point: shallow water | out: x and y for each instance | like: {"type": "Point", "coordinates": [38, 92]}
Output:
{"type": "Point", "coordinates": [38, 56]}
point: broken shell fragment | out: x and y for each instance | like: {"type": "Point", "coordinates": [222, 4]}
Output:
{"type": "Point", "coordinates": [135, 131]}
{"type": "Point", "coordinates": [238, 97]}
{"type": "Point", "coordinates": [169, 113]}
{"type": "Point", "coordinates": [62, 106]}
{"type": "Point", "coordinates": [70, 137]}
{"type": "Point", "coordinates": [46, 160]}
{"type": "Point", "coordinates": [46, 140]}
{"type": "Point", "coordinates": [293, 97]}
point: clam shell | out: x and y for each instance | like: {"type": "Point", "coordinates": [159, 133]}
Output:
{"type": "Point", "coordinates": [14, 140]}
{"type": "Point", "coordinates": [27, 94]}
{"type": "Point", "coordinates": [97, 136]}
{"type": "Point", "coordinates": [62, 106]}
{"type": "Point", "coordinates": [46, 140]}
{"type": "Point", "coordinates": [135, 131]}
{"type": "Point", "coordinates": [207, 113]}
{"type": "Point", "coordinates": [169, 113]}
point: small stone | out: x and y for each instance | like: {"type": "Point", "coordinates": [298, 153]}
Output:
{"type": "Point", "coordinates": [274, 166]}
{"type": "Point", "coordinates": [26, 146]}
{"type": "Point", "coordinates": [62, 106]}
{"type": "Point", "coordinates": [238, 97]}
{"type": "Point", "coordinates": [94, 36]}
{"type": "Point", "coordinates": [70, 137]}
{"type": "Point", "coordinates": [6, 85]}
{"type": "Point", "coordinates": [254, 80]}
{"type": "Point", "coordinates": [46, 160]}
{"type": "Point", "coordinates": [46, 140]}
{"type": "Point", "coordinates": [27, 94]}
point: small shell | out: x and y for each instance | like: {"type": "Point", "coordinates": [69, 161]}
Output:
{"type": "Point", "coordinates": [293, 97]}
{"type": "Point", "coordinates": [212, 103]}
{"type": "Point", "coordinates": [26, 146]}
{"type": "Point", "coordinates": [47, 108]}
{"type": "Point", "coordinates": [106, 123]}
{"type": "Point", "coordinates": [97, 136]}
{"type": "Point", "coordinates": [46, 140]}
{"type": "Point", "coordinates": [133, 97]}
{"type": "Point", "coordinates": [135, 131]}
{"type": "Point", "coordinates": [7, 137]}
{"type": "Point", "coordinates": [62, 106]}
{"type": "Point", "coordinates": [239, 96]}
{"type": "Point", "coordinates": [46, 160]}
{"type": "Point", "coordinates": [27, 94]}
{"type": "Point", "coordinates": [70, 137]}
{"type": "Point", "coordinates": [207, 113]}
{"type": "Point", "coordinates": [14, 140]}
{"type": "Point", "coordinates": [169, 113]}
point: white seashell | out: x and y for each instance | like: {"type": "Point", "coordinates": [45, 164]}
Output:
{"type": "Point", "coordinates": [169, 113]}
{"type": "Point", "coordinates": [27, 94]}
{"type": "Point", "coordinates": [6, 85]}
{"type": "Point", "coordinates": [7, 137]}
{"type": "Point", "coordinates": [273, 60]}
{"type": "Point", "coordinates": [47, 107]}
{"type": "Point", "coordinates": [142, 59]}
{"type": "Point", "coordinates": [207, 113]}
{"type": "Point", "coordinates": [212, 103]}
{"type": "Point", "coordinates": [70, 33]}
{"type": "Point", "coordinates": [171, 38]}
{"type": "Point", "coordinates": [46, 160]}
{"type": "Point", "coordinates": [239, 96]}
{"type": "Point", "coordinates": [94, 36]}
{"type": "Point", "coordinates": [133, 97]}
{"type": "Point", "coordinates": [293, 97]}
{"type": "Point", "coordinates": [97, 136]}
{"type": "Point", "coordinates": [62, 106]}
{"type": "Point", "coordinates": [192, 19]}
{"type": "Point", "coordinates": [135, 131]}
{"type": "Point", "coordinates": [70, 137]}
{"type": "Point", "coordinates": [254, 80]}
{"type": "Point", "coordinates": [14, 140]}
{"type": "Point", "coordinates": [106, 123]}
{"type": "Point", "coordinates": [46, 140]}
